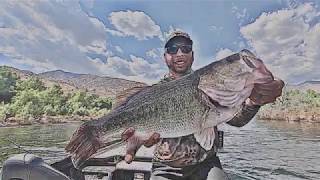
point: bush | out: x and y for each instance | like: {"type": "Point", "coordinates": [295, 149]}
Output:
{"type": "Point", "coordinates": [7, 84]}
{"type": "Point", "coordinates": [82, 103]}
{"type": "Point", "coordinates": [297, 100]}
{"type": "Point", "coordinates": [54, 101]}
{"type": "Point", "coordinates": [102, 103]}
{"type": "Point", "coordinates": [27, 104]}
{"type": "Point", "coordinates": [32, 83]}
{"type": "Point", "coordinates": [33, 100]}
{"type": "Point", "coordinates": [4, 111]}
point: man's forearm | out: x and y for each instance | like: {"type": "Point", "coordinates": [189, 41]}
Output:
{"type": "Point", "coordinates": [244, 116]}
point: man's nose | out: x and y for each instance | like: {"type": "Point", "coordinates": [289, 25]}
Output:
{"type": "Point", "coordinates": [179, 52]}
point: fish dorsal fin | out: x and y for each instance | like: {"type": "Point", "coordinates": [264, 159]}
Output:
{"type": "Point", "coordinates": [123, 96]}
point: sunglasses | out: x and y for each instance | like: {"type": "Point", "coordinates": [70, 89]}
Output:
{"type": "Point", "coordinates": [174, 49]}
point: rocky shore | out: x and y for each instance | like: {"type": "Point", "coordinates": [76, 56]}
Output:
{"type": "Point", "coordinates": [12, 121]}
{"type": "Point", "coordinates": [295, 115]}
{"type": "Point", "coordinates": [310, 116]}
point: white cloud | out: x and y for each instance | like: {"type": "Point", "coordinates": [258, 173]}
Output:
{"type": "Point", "coordinates": [218, 29]}
{"type": "Point", "coordinates": [170, 31]}
{"type": "Point", "coordinates": [88, 3]}
{"type": "Point", "coordinates": [36, 66]}
{"type": "Point", "coordinates": [134, 23]}
{"type": "Point", "coordinates": [155, 53]}
{"type": "Point", "coordinates": [115, 33]}
{"type": "Point", "coordinates": [119, 49]}
{"type": "Point", "coordinates": [241, 14]}
{"type": "Point", "coordinates": [288, 41]}
{"type": "Point", "coordinates": [46, 35]}
{"type": "Point", "coordinates": [141, 66]}
{"type": "Point", "coordinates": [223, 52]}
{"type": "Point", "coordinates": [136, 69]}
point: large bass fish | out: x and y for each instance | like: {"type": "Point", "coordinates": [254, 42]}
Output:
{"type": "Point", "coordinates": [193, 104]}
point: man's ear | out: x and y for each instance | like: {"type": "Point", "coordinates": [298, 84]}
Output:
{"type": "Point", "coordinates": [192, 56]}
{"type": "Point", "coordinates": [165, 59]}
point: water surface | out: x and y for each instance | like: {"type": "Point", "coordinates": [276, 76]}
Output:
{"type": "Point", "coordinates": [260, 150]}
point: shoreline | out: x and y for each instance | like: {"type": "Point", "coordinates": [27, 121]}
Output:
{"type": "Point", "coordinates": [289, 115]}
{"type": "Point", "coordinates": [15, 122]}
{"type": "Point", "coordinates": [265, 114]}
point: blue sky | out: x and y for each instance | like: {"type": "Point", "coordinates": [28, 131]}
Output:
{"type": "Point", "coordinates": [122, 38]}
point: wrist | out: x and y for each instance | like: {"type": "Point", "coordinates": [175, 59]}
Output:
{"type": "Point", "coordinates": [251, 103]}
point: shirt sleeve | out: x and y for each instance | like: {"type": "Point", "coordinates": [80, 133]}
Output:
{"type": "Point", "coordinates": [244, 116]}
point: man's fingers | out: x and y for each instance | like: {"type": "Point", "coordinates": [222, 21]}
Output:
{"type": "Point", "coordinates": [272, 86]}
{"type": "Point", "coordinates": [265, 101]}
{"type": "Point", "coordinates": [136, 140]}
{"type": "Point", "coordinates": [280, 82]}
{"type": "Point", "coordinates": [133, 144]}
{"type": "Point", "coordinates": [127, 133]}
{"type": "Point", "coordinates": [153, 139]}
{"type": "Point", "coordinates": [260, 99]}
{"type": "Point", "coordinates": [128, 158]}
{"type": "Point", "coordinates": [267, 93]}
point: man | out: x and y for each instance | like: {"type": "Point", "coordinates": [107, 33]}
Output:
{"type": "Point", "coordinates": [183, 158]}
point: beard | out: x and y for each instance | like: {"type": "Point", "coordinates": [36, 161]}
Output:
{"type": "Point", "coordinates": [179, 69]}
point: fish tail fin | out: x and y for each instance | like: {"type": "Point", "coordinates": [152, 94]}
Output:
{"type": "Point", "coordinates": [83, 143]}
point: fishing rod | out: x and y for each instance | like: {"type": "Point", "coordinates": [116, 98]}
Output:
{"type": "Point", "coordinates": [12, 141]}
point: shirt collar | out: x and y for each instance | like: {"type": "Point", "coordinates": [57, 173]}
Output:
{"type": "Point", "coordinates": [169, 76]}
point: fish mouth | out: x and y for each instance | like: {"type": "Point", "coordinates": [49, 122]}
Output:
{"type": "Point", "coordinates": [250, 59]}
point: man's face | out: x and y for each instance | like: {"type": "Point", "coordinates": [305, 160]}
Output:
{"type": "Point", "coordinates": [179, 55]}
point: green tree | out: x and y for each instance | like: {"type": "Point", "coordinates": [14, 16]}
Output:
{"type": "Point", "coordinates": [77, 104]}
{"type": "Point", "coordinates": [7, 84]}
{"type": "Point", "coordinates": [84, 104]}
{"type": "Point", "coordinates": [4, 111]}
{"type": "Point", "coordinates": [32, 100]}
{"type": "Point", "coordinates": [27, 103]}
{"type": "Point", "coordinates": [102, 103]}
{"type": "Point", "coordinates": [33, 83]}
{"type": "Point", "coordinates": [54, 101]}
{"type": "Point", "coordinates": [296, 100]}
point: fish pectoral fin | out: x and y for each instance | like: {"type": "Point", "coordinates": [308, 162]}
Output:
{"type": "Point", "coordinates": [228, 98]}
{"type": "Point", "coordinates": [205, 138]}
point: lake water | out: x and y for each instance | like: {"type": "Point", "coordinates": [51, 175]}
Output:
{"type": "Point", "coordinates": [260, 150]}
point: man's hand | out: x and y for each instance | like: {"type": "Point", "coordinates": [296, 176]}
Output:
{"type": "Point", "coordinates": [266, 93]}
{"type": "Point", "coordinates": [135, 141]}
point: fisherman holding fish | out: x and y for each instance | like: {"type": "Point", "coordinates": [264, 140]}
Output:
{"type": "Point", "coordinates": [183, 157]}
{"type": "Point", "coordinates": [180, 114]}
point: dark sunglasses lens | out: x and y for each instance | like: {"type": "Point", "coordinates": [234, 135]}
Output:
{"type": "Point", "coordinates": [172, 49]}
{"type": "Point", "coordinates": [186, 49]}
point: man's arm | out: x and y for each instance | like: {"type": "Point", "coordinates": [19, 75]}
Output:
{"type": "Point", "coordinates": [261, 94]}
{"type": "Point", "coordinates": [244, 116]}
